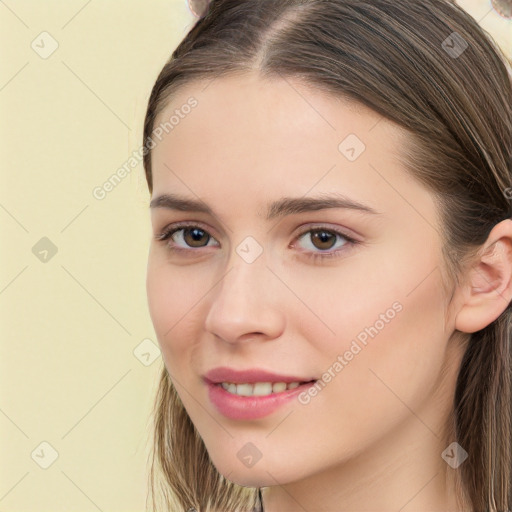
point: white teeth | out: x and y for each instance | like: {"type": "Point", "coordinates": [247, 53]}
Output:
{"type": "Point", "coordinates": [258, 388]}
{"type": "Point", "coordinates": [244, 389]}
{"type": "Point", "coordinates": [278, 387]}
{"type": "Point", "coordinates": [262, 388]}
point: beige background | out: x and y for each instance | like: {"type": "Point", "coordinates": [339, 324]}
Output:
{"type": "Point", "coordinates": [79, 360]}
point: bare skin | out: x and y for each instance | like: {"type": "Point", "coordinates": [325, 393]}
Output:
{"type": "Point", "coordinates": [372, 438]}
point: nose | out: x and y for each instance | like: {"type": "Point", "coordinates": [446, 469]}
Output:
{"type": "Point", "coordinates": [245, 303]}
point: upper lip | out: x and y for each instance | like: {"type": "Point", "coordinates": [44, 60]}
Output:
{"type": "Point", "coordinates": [251, 375]}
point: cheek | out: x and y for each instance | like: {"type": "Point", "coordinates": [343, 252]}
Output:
{"type": "Point", "coordinates": [385, 319]}
{"type": "Point", "coordinates": [376, 297]}
{"type": "Point", "coordinates": [339, 304]}
{"type": "Point", "coordinates": [176, 302]}
{"type": "Point", "coordinates": [161, 299]}
{"type": "Point", "coordinates": [393, 346]}
{"type": "Point", "coordinates": [169, 300]}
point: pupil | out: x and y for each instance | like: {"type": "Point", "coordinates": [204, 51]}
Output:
{"type": "Point", "coordinates": [323, 236]}
{"type": "Point", "coordinates": [196, 235]}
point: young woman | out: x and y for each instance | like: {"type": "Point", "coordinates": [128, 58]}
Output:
{"type": "Point", "coordinates": [330, 276]}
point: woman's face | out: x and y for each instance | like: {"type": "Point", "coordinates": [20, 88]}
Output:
{"type": "Point", "coordinates": [268, 280]}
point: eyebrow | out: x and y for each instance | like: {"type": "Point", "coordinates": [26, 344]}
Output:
{"type": "Point", "coordinates": [279, 208]}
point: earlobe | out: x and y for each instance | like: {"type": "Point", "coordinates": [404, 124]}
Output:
{"type": "Point", "coordinates": [487, 291]}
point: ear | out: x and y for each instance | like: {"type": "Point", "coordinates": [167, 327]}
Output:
{"type": "Point", "coordinates": [488, 287]}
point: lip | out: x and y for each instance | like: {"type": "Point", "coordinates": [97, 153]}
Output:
{"type": "Point", "coordinates": [249, 376]}
{"type": "Point", "coordinates": [250, 407]}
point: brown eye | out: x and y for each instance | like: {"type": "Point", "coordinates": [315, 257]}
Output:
{"type": "Point", "coordinates": [320, 243]}
{"type": "Point", "coordinates": [322, 239]}
{"type": "Point", "coordinates": [194, 237]}
{"type": "Point", "coordinates": [185, 238]}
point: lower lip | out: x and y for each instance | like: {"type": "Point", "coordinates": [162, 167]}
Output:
{"type": "Point", "coordinates": [239, 407]}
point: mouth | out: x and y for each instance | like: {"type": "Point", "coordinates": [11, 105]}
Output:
{"type": "Point", "coordinates": [251, 377]}
{"type": "Point", "coordinates": [248, 389]}
{"type": "Point", "coordinates": [252, 393]}
{"type": "Point", "coordinates": [245, 401]}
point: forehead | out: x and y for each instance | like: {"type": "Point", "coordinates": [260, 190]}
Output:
{"type": "Point", "coordinates": [246, 138]}
{"type": "Point", "coordinates": [244, 116]}
{"type": "Point", "coordinates": [274, 105]}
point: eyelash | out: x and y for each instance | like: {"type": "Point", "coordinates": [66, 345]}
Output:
{"type": "Point", "coordinates": [169, 231]}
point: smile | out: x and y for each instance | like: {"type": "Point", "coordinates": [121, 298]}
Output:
{"type": "Point", "coordinates": [242, 402]}
{"type": "Point", "coordinates": [258, 388]}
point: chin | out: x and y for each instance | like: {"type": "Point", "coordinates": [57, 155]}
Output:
{"type": "Point", "coordinates": [247, 477]}
{"type": "Point", "coordinates": [249, 480]}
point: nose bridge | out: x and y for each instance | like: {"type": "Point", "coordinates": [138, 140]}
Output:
{"type": "Point", "coordinates": [247, 269]}
{"type": "Point", "coordinates": [244, 283]}
{"type": "Point", "coordinates": [242, 301]}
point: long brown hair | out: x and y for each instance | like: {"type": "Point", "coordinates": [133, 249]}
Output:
{"type": "Point", "coordinates": [429, 67]}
